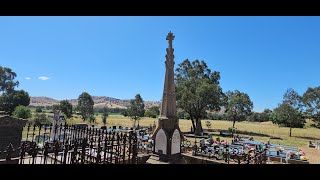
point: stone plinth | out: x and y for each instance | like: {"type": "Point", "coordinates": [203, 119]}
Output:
{"type": "Point", "coordinates": [10, 132]}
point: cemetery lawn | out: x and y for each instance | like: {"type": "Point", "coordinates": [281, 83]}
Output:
{"type": "Point", "coordinates": [262, 131]}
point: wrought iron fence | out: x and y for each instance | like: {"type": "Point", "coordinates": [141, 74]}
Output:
{"type": "Point", "coordinates": [70, 144]}
{"type": "Point", "coordinates": [231, 153]}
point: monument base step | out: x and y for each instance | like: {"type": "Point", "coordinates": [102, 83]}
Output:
{"type": "Point", "coordinates": [154, 159]}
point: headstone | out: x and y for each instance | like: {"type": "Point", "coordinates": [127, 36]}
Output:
{"type": "Point", "coordinates": [11, 133]}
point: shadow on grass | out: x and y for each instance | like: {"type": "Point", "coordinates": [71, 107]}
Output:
{"type": "Point", "coordinates": [242, 133]}
{"type": "Point", "coordinates": [308, 138]}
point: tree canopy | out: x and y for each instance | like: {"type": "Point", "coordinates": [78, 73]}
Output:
{"type": "Point", "coordinates": [238, 106]}
{"type": "Point", "coordinates": [85, 105]}
{"type": "Point", "coordinates": [152, 112]}
{"type": "Point", "coordinates": [7, 83]}
{"type": "Point", "coordinates": [66, 108]}
{"type": "Point", "coordinates": [289, 112]}
{"type": "Point", "coordinates": [197, 90]}
{"type": "Point", "coordinates": [10, 100]}
{"type": "Point", "coordinates": [105, 115]}
{"type": "Point", "coordinates": [22, 112]}
{"type": "Point", "coordinates": [40, 118]}
{"type": "Point", "coordinates": [311, 100]}
{"type": "Point", "coordinates": [136, 109]}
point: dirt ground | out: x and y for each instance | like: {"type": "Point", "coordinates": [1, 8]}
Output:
{"type": "Point", "coordinates": [312, 154]}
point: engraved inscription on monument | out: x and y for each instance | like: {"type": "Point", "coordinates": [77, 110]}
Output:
{"type": "Point", "coordinates": [161, 142]}
{"type": "Point", "coordinates": [176, 142]}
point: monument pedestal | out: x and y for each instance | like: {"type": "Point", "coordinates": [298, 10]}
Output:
{"type": "Point", "coordinates": [11, 133]}
{"type": "Point", "coordinates": [168, 139]}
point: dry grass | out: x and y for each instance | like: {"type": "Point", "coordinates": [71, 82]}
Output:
{"type": "Point", "coordinates": [259, 131]}
{"type": "Point", "coordinates": [263, 131]}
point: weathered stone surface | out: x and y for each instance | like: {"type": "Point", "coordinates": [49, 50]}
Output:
{"type": "Point", "coordinates": [168, 123]}
{"type": "Point", "coordinates": [176, 142]}
{"type": "Point", "coordinates": [10, 132]}
{"type": "Point", "coordinates": [161, 142]}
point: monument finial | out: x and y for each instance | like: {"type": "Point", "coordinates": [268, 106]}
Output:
{"type": "Point", "coordinates": [170, 36]}
{"type": "Point", "coordinates": [169, 55]}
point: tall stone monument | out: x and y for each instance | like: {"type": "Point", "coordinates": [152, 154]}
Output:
{"type": "Point", "coordinates": [167, 137]}
{"type": "Point", "coordinates": [56, 122]}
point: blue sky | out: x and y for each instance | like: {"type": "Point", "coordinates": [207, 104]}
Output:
{"type": "Point", "coordinates": [61, 57]}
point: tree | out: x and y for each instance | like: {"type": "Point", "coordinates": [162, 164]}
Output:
{"type": "Point", "coordinates": [55, 107]}
{"type": "Point", "coordinates": [289, 112]}
{"type": "Point", "coordinates": [10, 100]}
{"type": "Point", "coordinates": [293, 99]}
{"type": "Point", "coordinates": [125, 112]}
{"type": "Point", "coordinates": [311, 100]}
{"type": "Point", "coordinates": [22, 112]}
{"type": "Point", "coordinates": [66, 108]}
{"type": "Point", "coordinates": [40, 118]}
{"type": "Point", "coordinates": [239, 106]}
{"type": "Point", "coordinates": [136, 109]}
{"type": "Point", "coordinates": [286, 115]}
{"type": "Point", "coordinates": [260, 117]}
{"type": "Point", "coordinates": [152, 112]}
{"type": "Point", "coordinates": [92, 118]}
{"type": "Point", "coordinates": [7, 82]}
{"type": "Point", "coordinates": [198, 90]}
{"type": "Point", "coordinates": [105, 116]}
{"type": "Point", "coordinates": [155, 109]}
{"type": "Point", "coordinates": [85, 105]}
{"type": "Point", "coordinates": [38, 110]}
{"type": "Point", "coordinates": [181, 114]}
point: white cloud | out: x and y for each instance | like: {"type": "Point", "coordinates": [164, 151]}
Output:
{"type": "Point", "coordinates": [27, 78]}
{"type": "Point", "coordinates": [44, 78]}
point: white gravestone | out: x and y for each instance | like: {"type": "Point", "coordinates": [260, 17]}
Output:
{"type": "Point", "coordinates": [161, 142]}
{"type": "Point", "coordinates": [176, 142]}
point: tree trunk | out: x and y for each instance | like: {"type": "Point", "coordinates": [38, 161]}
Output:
{"type": "Point", "coordinates": [134, 123]}
{"type": "Point", "coordinates": [290, 131]}
{"type": "Point", "coordinates": [234, 122]}
{"type": "Point", "coordinates": [193, 125]}
{"type": "Point", "coordinates": [198, 130]}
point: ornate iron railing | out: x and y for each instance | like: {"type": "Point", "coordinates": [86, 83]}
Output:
{"type": "Point", "coordinates": [231, 153]}
{"type": "Point", "coordinates": [69, 144]}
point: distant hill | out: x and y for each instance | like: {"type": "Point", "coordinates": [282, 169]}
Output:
{"type": "Point", "coordinates": [99, 102]}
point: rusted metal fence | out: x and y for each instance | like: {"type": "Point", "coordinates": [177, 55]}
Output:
{"type": "Point", "coordinates": [69, 144]}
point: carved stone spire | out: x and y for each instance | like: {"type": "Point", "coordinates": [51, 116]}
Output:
{"type": "Point", "coordinates": [167, 137]}
{"type": "Point", "coordinates": [168, 106]}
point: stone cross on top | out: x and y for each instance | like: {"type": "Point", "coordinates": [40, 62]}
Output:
{"type": "Point", "coordinates": [170, 38]}
{"type": "Point", "coordinates": [169, 56]}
